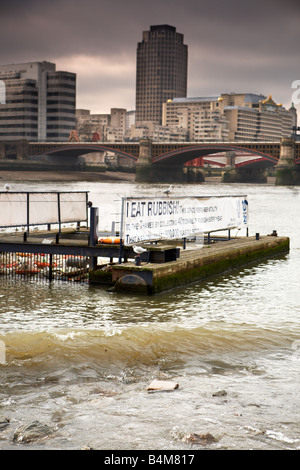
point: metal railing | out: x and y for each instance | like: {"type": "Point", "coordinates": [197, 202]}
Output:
{"type": "Point", "coordinates": [43, 267]}
{"type": "Point", "coordinates": [27, 209]}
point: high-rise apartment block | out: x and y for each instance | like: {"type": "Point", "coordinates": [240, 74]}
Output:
{"type": "Point", "coordinates": [40, 102]}
{"type": "Point", "coordinates": [161, 71]}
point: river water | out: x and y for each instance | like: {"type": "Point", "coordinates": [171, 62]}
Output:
{"type": "Point", "coordinates": [79, 359]}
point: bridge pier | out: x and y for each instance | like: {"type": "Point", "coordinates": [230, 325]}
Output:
{"type": "Point", "coordinates": [146, 172]}
{"type": "Point", "coordinates": [144, 164]}
{"type": "Point", "coordinates": [251, 174]}
{"type": "Point", "coordinates": [22, 150]}
{"type": "Point", "coordinates": [229, 174]}
{"type": "Point", "coordinates": [287, 173]}
{"type": "Point", "coordinates": [193, 174]}
{"type": "Point", "coordinates": [244, 174]}
{"type": "Point", "coordinates": [17, 150]}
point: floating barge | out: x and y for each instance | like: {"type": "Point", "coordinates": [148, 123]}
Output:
{"type": "Point", "coordinates": [78, 255]}
{"type": "Point", "coordinates": [195, 264]}
{"type": "Point", "coordinates": [163, 267]}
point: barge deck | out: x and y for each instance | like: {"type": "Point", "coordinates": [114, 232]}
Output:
{"type": "Point", "coordinates": [193, 264]}
{"type": "Point", "coordinates": [163, 267]}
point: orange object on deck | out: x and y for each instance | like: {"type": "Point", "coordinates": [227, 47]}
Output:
{"type": "Point", "coordinates": [110, 240]}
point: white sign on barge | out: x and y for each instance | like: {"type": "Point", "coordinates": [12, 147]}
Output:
{"type": "Point", "coordinates": [150, 219]}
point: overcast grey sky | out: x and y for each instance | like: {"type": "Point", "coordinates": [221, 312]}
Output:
{"type": "Point", "coordinates": [233, 46]}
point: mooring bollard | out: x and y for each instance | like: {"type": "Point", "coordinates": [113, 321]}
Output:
{"type": "Point", "coordinates": [138, 261]}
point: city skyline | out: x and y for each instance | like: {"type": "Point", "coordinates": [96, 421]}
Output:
{"type": "Point", "coordinates": [233, 47]}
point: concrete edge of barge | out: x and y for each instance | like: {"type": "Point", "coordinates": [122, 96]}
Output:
{"type": "Point", "coordinates": [192, 265]}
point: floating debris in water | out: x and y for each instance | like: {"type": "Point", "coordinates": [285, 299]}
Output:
{"type": "Point", "coordinates": [162, 385]}
{"type": "Point", "coordinates": [202, 439]}
{"type": "Point", "coordinates": [4, 422]}
{"type": "Point", "coordinates": [220, 393]}
{"type": "Point", "coordinates": [32, 432]}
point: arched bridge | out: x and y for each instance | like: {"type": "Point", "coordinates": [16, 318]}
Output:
{"type": "Point", "coordinates": [248, 153]}
{"type": "Point", "coordinates": [215, 153]}
{"type": "Point", "coordinates": [159, 161]}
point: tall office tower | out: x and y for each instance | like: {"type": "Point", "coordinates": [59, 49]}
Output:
{"type": "Point", "coordinates": [40, 103]}
{"type": "Point", "coordinates": [161, 71]}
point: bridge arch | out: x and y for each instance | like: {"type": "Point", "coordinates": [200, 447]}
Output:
{"type": "Point", "coordinates": [76, 150]}
{"type": "Point", "coordinates": [186, 154]}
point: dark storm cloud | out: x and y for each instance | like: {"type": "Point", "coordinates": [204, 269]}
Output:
{"type": "Point", "coordinates": [233, 46]}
